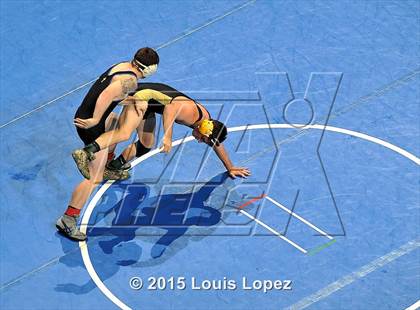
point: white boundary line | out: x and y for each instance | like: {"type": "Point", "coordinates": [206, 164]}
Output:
{"type": "Point", "coordinates": [206, 24]}
{"type": "Point", "coordinates": [89, 209]}
{"type": "Point", "coordinates": [47, 103]}
{"type": "Point", "coordinates": [356, 275]}
{"type": "Point", "coordinates": [186, 34]}
{"type": "Point", "coordinates": [274, 231]}
{"type": "Point", "coordinates": [299, 218]}
{"type": "Point", "coordinates": [414, 306]}
{"type": "Point", "coordinates": [334, 129]}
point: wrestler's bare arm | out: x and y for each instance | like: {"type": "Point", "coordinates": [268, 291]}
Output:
{"type": "Point", "coordinates": [170, 114]}
{"type": "Point", "coordinates": [232, 170]}
{"type": "Point", "coordinates": [117, 90]}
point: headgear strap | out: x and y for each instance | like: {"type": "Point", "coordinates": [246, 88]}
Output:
{"type": "Point", "coordinates": [146, 70]}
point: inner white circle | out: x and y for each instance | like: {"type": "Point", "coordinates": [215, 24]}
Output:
{"type": "Point", "coordinates": [89, 209]}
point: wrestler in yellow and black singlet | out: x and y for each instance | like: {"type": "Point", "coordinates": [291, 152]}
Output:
{"type": "Point", "coordinates": [159, 95]}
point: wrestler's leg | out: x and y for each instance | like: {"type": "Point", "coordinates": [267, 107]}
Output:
{"type": "Point", "coordinates": [129, 120]}
{"type": "Point", "coordinates": [85, 188]}
{"type": "Point", "coordinates": [146, 135]}
{"type": "Point", "coordinates": [67, 223]}
{"type": "Point", "coordinates": [111, 123]}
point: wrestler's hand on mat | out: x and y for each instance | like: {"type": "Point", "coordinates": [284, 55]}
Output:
{"type": "Point", "coordinates": [85, 123]}
{"type": "Point", "coordinates": [239, 172]}
{"type": "Point", "coordinates": [167, 145]}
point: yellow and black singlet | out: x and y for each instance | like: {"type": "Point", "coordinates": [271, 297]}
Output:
{"type": "Point", "coordinates": [159, 95]}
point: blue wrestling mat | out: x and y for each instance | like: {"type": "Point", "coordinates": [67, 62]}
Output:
{"type": "Point", "coordinates": [321, 99]}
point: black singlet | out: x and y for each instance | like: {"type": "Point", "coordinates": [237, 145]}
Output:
{"type": "Point", "coordinates": [87, 107]}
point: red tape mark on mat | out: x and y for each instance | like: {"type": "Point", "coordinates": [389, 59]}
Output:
{"type": "Point", "coordinates": [251, 201]}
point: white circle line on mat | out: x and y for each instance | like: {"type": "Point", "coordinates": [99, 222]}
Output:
{"type": "Point", "coordinates": [88, 211]}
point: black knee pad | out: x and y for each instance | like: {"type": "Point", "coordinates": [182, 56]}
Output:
{"type": "Point", "coordinates": [141, 149]}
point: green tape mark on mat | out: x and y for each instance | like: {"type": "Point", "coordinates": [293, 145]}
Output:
{"type": "Point", "coordinates": [321, 247]}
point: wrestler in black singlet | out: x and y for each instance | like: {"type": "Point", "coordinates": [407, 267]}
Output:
{"type": "Point", "coordinates": [87, 107]}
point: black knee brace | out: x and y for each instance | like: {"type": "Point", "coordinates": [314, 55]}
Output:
{"type": "Point", "coordinates": [141, 149]}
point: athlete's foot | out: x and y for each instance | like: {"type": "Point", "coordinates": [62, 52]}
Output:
{"type": "Point", "coordinates": [126, 166]}
{"type": "Point", "coordinates": [111, 174]}
{"type": "Point", "coordinates": [67, 225]}
{"type": "Point", "coordinates": [82, 159]}
{"type": "Point", "coordinates": [117, 164]}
